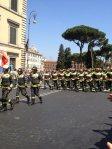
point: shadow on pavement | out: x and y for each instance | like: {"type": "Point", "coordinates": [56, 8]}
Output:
{"type": "Point", "coordinates": [107, 137]}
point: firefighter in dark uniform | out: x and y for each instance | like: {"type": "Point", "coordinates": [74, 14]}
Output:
{"type": "Point", "coordinates": [109, 83]}
{"type": "Point", "coordinates": [55, 80]}
{"type": "Point", "coordinates": [109, 80]}
{"type": "Point", "coordinates": [68, 79]}
{"type": "Point", "coordinates": [47, 78]}
{"type": "Point", "coordinates": [98, 81]}
{"type": "Point", "coordinates": [74, 80]}
{"type": "Point", "coordinates": [89, 80]}
{"type": "Point", "coordinates": [6, 84]}
{"type": "Point", "coordinates": [61, 79]}
{"type": "Point", "coordinates": [35, 79]}
{"type": "Point", "coordinates": [104, 79]}
{"type": "Point", "coordinates": [81, 80]}
{"type": "Point", "coordinates": [21, 86]}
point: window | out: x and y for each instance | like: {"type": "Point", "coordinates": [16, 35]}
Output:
{"type": "Point", "coordinates": [13, 27]}
{"type": "Point", "coordinates": [14, 5]}
{"type": "Point", "coordinates": [13, 34]}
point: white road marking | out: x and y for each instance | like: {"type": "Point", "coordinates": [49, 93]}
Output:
{"type": "Point", "coordinates": [48, 93]}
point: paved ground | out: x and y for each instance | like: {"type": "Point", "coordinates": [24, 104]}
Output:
{"type": "Point", "coordinates": [66, 120]}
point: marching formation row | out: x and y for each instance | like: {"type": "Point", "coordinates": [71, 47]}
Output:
{"type": "Point", "coordinates": [85, 80]}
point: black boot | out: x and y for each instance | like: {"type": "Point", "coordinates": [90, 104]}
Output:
{"type": "Point", "coordinates": [17, 100]}
{"type": "Point", "coordinates": [4, 107]}
{"type": "Point", "coordinates": [40, 98]}
{"type": "Point", "coordinates": [11, 105]}
{"type": "Point", "coordinates": [28, 100]}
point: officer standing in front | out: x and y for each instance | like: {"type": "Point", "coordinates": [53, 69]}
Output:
{"type": "Point", "coordinates": [35, 79]}
{"type": "Point", "coordinates": [6, 84]}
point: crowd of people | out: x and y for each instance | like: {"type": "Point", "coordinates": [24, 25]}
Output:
{"type": "Point", "coordinates": [91, 80]}
{"type": "Point", "coordinates": [86, 80]}
{"type": "Point", "coordinates": [20, 81]}
{"type": "Point", "coordinates": [80, 80]}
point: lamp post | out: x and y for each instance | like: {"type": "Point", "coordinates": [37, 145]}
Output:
{"type": "Point", "coordinates": [32, 18]}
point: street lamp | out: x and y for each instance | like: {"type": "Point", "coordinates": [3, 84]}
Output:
{"type": "Point", "coordinates": [31, 19]}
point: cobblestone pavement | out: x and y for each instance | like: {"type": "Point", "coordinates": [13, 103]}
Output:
{"type": "Point", "coordinates": [66, 120]}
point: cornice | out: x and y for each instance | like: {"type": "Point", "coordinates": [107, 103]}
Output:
{"type": "Point", "coordinates": [10, 45]}
{"type": "Point", "coordinates": [13, 12]}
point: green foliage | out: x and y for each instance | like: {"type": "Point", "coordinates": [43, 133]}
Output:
{"type": "Point", "coordinates": [82, 34]}
{"type": "Point", "coordinates": [64, 58]}
{"type": "Point", "coordinates": [76, 57]}
{"type": "Point", "coordinates": [105, 51]}
{"type": "Point", "coordinates": [88, 59]}
{"type": "Point", "coordinates": [68, 59]}
{"type": "Point", "coordinates": [61, 58]}
{"type": "Point", "coordinates": [98, 62]}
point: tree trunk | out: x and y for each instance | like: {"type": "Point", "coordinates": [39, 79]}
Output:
{"type": "Point", "coordinates": [81, 55]}
{"type": "Point", "coordinates": [92, 59]}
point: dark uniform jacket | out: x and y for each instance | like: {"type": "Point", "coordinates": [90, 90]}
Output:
{"type": "Point", "coordinates": [6, 80]}
{"type": "Point", "coordinates": [21, 80]}
{"type": "Point", "coordinates": [35, 79]}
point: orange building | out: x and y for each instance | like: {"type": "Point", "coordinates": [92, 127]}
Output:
{"type": "Point", "coordinates": [50, 65]}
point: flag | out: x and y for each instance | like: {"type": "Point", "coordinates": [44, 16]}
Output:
{"type": "Point", "coordinates": [4, 58]}
{"type": "Point", "coordinates": [4, 61]}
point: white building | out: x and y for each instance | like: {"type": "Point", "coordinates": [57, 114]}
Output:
{"type": "Point", "coordinates": [35, 59]}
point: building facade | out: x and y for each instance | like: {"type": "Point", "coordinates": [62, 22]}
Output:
{"type": "Point", "coordinates": [13, 30]}
{"type": "Point", "coordinates": [50, 65]}
{"type": "Point", "coordinates": [34, 59]}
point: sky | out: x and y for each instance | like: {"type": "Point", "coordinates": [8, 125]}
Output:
{"type": "Point", "coordinates": [55, 16]}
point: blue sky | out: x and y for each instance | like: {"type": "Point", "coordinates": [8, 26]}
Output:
{"type": "Point", "coordinates": [55, 16]}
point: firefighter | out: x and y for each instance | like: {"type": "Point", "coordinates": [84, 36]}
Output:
{"type": "Point", "coordinates": [89, 80]}
{"type": "Point", "coordinates": [109, 79]}
{"type": "Point", "coordinates": [55, 80]}
{"type": "Point", "coordinates": [81, 80]}
{"type": "Point", "coordinates": [35, 79]}
{"type": "Point", "coordinates": [98, 81]}
{"type": "Point", "coordinates": [67, 76]}
{"type": "Point", "coordinates": [109, 83]}
{"type": "Point", "coordinates": [104, 80]}
{"type": "Point", "coordinates": [6, 84]}
{"type": "Point", "coordinates": [61, 79]}
{"type": "Point", "coordinates": [74, 80]}
{"type": "Point", "coordinates": [21, 86]}
{"type": "Point", "coordinates": [47, 78]}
